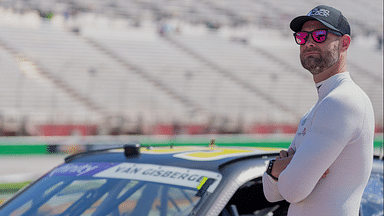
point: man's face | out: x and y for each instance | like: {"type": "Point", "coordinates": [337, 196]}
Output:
{"type": "Point", "coordinates": [317, 57]}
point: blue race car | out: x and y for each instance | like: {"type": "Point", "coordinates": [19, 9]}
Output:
{"type": "Point", "coordinates": [161, 181]}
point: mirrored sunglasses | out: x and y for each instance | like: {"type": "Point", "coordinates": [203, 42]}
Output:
{"type": "Point", "coordinates": [319, 35]}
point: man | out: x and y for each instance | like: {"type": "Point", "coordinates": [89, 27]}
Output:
{"type": "Point", "coordinates": [327, 166]}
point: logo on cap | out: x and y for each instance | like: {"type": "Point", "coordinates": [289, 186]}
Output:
{"type": "Point", "coordinates": [319, 12]}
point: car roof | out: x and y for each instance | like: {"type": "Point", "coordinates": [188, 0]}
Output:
{"type": "Point", "coordinates": [193, 157]}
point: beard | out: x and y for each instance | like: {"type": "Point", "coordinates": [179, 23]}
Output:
{"type": "Point", "coordinates": [316, 65]}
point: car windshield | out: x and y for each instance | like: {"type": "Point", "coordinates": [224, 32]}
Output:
{"type": "Point", "coordinates": [114, 190]}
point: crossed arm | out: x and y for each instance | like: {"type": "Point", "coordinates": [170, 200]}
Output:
{"type": "Point", "coordinates": [299, 171]}
{"type": "Point", "coordinates": [283, 160]}
{"type": "Point", "coordinates": [270, 186]}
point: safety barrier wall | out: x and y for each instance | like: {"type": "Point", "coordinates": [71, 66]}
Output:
{"type": "Point", "coordinates": [75, 144]}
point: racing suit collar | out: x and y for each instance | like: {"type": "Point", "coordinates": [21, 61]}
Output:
{"type": "Point", "coordinates": [326, 86]}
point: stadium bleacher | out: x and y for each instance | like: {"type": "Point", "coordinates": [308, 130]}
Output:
{"type": "Point", "coordinates": [107, 59]}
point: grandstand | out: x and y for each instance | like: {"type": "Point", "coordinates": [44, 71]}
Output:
{"type": "Point", "coordinates": [220, 66]}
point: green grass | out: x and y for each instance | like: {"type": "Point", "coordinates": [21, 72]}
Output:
{"type": "Point", "coordinates": [231, 141]}
{"type": "Point", "coordinates": [23, 149]}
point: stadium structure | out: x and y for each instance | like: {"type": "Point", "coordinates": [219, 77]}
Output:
{"type": "Point", "coordinates": [110, 67]}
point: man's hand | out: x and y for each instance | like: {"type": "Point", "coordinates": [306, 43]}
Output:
{"type": "Point", "coordinates": [280, 165]}
{"type": "Point", "coordinates": [285, 154]}
{"type": "Point", "coordinates": [283, 160]}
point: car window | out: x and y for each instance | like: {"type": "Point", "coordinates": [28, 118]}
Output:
{"type": "Point", "coordinates": [65, 198]}
{"type": "Point", "coordinates": [113, 190]}
{"type": "Point", "coordinates": [105, 197]}
{"type": "Point", "coordinates": [160, 200]}
{"type": "Point", "coordinates": [249, 200]}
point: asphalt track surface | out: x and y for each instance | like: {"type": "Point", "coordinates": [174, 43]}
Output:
{"type": "Point", "coordinates": [27, 167]}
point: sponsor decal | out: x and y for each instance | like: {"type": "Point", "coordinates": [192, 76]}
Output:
{"type": "Point", "coordinates": [167, 150]}
{"type": "Point", "coordinates": [202, 182]}
{"type": "Point", "coordinates": [216, 154]}
{"type": "Point", "coordinates": [191, 178]}
{"type": "Point", "coordinates": [210, 153]}
{"type": "Point", "coordinates": [204, 185]}
{"type": "Point", "coordinates": [319, 12]}
{"type": "Point", "coordinates": [80, 169]}
{"type": "Point", "coordinates": [304, 132]}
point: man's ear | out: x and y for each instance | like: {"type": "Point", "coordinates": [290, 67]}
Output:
{"type": "Point", "coordinates": [345, 42]}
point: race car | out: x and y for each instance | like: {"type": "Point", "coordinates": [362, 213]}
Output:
{"type": "Point", "coordinates": [178, 181]}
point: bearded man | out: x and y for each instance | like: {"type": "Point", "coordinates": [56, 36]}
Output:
{"type": "Point", "coordinates": [327, 166]}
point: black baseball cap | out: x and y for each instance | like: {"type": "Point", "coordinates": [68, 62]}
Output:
{"type": "Point", "coordinates": [328, 16]}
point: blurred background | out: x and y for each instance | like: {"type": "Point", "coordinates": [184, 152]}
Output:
{"type": "Point", "coordinates": [77, 75]}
